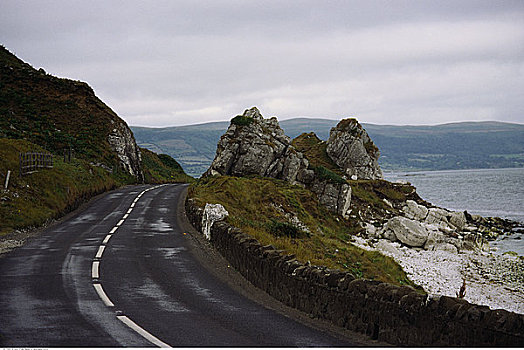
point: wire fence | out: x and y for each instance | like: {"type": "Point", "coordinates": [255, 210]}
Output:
{"type": "Point", "coordinates": [32, 161]}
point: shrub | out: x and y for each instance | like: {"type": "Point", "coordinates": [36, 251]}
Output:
{"type": "Point", "coordinates": [241, 120]}
{"type": "Point", "coordinates": [324, 173]}
{"type": "Point", "coordinates": [280, 228]}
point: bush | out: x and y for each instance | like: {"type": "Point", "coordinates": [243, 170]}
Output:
{"type": "Point", "coordinates": [241, 120]}
{"type": "Point", "coordinates": [324, 173]}
{"type": "Point", "coordinates": [280, 228]}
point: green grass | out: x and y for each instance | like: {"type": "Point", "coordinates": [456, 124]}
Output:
{"type": "Point", "coordinates": [258, 206]}
{"type": "Point", "coordinates": [325, 174]}
{"type": "Point", "coordinates": [33, 199]}
{"type": "Point", "coordinates": [161, 168]}
{"type": "Point", "coordinates": [315, 151]}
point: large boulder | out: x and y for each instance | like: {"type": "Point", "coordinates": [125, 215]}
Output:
{"type": "Point", "coordinates": [351, 148]}
{"type": "Point", "coordinates": [438, 216]}
{"type": "Point", "coordinates": [458, 220]}
{"type": "Point", "coordinates": [409, 232]}
{"type": "Point", "coordinates": [212, 213]}
{"type": "Point", "coordinates": [415, 211]}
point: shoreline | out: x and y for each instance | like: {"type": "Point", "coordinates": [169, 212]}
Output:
{"type": "Point", "coordinates": [493, 280]}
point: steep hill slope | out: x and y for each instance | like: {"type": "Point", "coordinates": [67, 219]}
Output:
{"type": "Point", "coordinates": [42, 113]}
{"type": "Point", "coordinates": [161, 168]}
{"type": "Point", "coordinates": [435, 147]}
{"type": "Point", "coordinates": [59, 113]}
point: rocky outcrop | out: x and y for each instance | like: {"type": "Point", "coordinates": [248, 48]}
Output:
{"type": "Point", "coordinates": [123, 143]}
{"type": "Point", "coordinates": [433, 229]}
{"type": "Point", "coordinates": [351, 148]}
{"type": "Point", "coordinates": [253, 145]}
{"type": "Point", "coordinates": [335, 196]}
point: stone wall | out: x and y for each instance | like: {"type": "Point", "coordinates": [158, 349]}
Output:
{"type": "Point", "coordinates": [397, 315]}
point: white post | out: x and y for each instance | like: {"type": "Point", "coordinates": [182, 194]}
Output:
{"type": "Point", "coordinates": [7, 179]}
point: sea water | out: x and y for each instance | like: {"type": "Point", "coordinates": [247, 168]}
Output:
{"type": "Point", "coordinates": [486, 192]}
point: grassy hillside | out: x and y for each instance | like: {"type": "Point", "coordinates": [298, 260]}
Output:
{"type": "Point", "coordinates": [290, 218]}
{"type": "Point", "coordinates": [436, 147]}
{"type": "Point", "coordinates": [39, 112]}
{"type": "Point", "coordinates": [52, 112]}
{"type": "Point", "coordinates": [31, 200]}
{"type": "Point", "coordinates": [161, 168]}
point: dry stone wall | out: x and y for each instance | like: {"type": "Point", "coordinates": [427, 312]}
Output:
{"type": "Point", "coordinates": [397, 315]}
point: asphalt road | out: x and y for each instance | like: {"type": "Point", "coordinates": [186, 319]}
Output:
{"type": "Point", "coordinates": [125, 271]}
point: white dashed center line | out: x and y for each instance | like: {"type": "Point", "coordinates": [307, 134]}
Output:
{"type": "Point", "coordinates": [108, 237]}
{"type": "Point", "coordinates": [95, 274]}
{"type": "Point", "coordinates": [94, 269]}
{"type": "Point", "coordinates": [102, 295]}
{"type": "Point", "coordinates": [100, 251]}
{"type": "Point", "coordinates": [143, 332]}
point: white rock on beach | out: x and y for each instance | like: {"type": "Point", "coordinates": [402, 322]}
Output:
{"type": "Point", "coordinates": [409, 232]}
{"type": "Point", "coordinates": [437, 216]}
{"type": "Point", "coordinates": [415, 211]}
{"type": "Point", "coordinates": [458, 219]}
{"type": "Point", "coordinates": [492, 280]}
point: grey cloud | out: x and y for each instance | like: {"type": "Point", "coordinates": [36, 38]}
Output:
{"type": "Point", "coordinates": [175, 62]}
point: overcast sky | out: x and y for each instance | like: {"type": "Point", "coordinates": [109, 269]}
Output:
{"type": "Point", "coordinates": [165, 63]}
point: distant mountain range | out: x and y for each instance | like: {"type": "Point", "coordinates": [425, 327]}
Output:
{"type": "Point", "coordinates": [465, 145]}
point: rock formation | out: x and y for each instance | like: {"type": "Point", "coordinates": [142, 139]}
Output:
{"type": "Point", "coordinates": [351, 148]}
{"type": "Point", "coordinates": [124, 145]}
{"type": "Point", "coordinates": [253, 145]}
{"type": "Point", "coordinates": [431, 229]}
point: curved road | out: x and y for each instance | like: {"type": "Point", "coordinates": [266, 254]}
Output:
{"type": "Point", "coordinates": [123, 272]}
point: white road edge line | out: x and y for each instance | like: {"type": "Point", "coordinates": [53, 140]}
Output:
{"type": "Point", "coordinates": [128, 322]}
{"type": "Point", "coordinates": [108, 237]}
{"type": "Point", "coordinates": [102, 294]}
{"type": "Point", "coordinates": [120, 222]}
{"type": "Point", "coordinates": [113, 230]}
{"type": "Point", "coordinates": [95, 269]}
{"type": "Point", "coordinates": [130, 210]}
{"type": "Point", "coordinates": [125, 216]}
{"type": "Point", "coordinates": [100, 251]}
